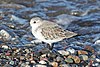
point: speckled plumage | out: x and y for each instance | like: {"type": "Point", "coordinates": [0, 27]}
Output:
{"type": "Point", "coordinates": [48, 31]}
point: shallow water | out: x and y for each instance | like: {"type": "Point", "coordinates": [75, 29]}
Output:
{"type": "Point", "coordinates": [80, 16]}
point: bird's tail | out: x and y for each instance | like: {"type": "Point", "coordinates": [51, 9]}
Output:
{"type": "Point", "coordinates": [70, 34]}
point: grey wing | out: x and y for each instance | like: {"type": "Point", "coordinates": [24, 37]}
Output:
{"type": "Point", "coordinates": [53, 32]}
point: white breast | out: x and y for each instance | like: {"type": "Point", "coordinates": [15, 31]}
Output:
{"type": "Point", "coordinates": [38, 34]}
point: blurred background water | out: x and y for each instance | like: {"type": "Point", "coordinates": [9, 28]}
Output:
{"type": "Point", "coordinates": [80, 16]}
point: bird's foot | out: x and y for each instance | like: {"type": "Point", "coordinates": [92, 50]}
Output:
{"type": "Point", "coordinates": [50, 46]}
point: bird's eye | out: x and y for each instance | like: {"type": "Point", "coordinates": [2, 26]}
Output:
{"type": "Point", "coordinates": [34, 22]}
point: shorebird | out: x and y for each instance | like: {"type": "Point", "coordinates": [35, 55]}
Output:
{"type": "Point", "coordinates": [49, 32]}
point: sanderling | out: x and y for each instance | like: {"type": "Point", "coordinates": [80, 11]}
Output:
{"type": "Point", "coordinates": [48, 31]}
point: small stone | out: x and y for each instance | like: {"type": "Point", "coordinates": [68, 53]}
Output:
{"type": "Point", "coordinates": [30, 57]}
{"type": "Point", "coordinates": [7, 65]}
{"type": "Point", "coordinates": [96, 65]}
{"type": "Point", "coordinates": [84, 57]}
{"type": "Point", "coordinates": [75, 58]}
{"type": "Point", "coordinates": [27, 50]}
{"type": "Point", "coordinates": [45, 59]}
{"type": "Point", "coordinates": [7, 54]}
{"type": "Point", "coordinates": [62, 52]}
{"type": "Point", "coordinates": [71, 50]}
{"type": "Point", "coordinates": [5, 34]}
{"type": "Point", "coordinates": [11, 26]}
{"type": "Point", "coordinates": [54, 64]}
{"type": "Point", "coordinates": [17, 50]}
{"type": "Point", "coordinates": [74, 65]}
{"type": "Point", "coordinates": [33, 62]}
{"type": "Point", "coordinates": [39, 65]}
{"type": "Point", "coordinates": [22, 57]}
{"type": "Point", "coordinates": [58, 59]}
{"type": "Point", "coordinates": [82, 52]}
{"type": "Point", "coordinates": [89, 48]}
{"type": "Point", "coordinates": [51, 55]}
{"type": "Point", "coordinates": [23, 65]}
{"type": "Point", "coordinates": [93, 56]}
{"type": "Point", "coordinates": [44, 55]}
{"type": "Point", "coordinates": [98, 60]}
{"type": "Point", "coordinates": [14, 48]}
{"type": "Point", "coordinates": [45, 50]}
{"type": "Point", "coordinates": [11, 62]}
{"type": "Point", "coordinates": [27, 63]}
{"type": "Point", "coordinates": [69, 60]}
{"type": "Point", "coordinates": [65, 65]}
{"type": "Point", "coordinates": [5, 46]}
{"type": "Point", "coordinates": [43, 62]}
{"type": "Point", "coordinates": [76, 13]}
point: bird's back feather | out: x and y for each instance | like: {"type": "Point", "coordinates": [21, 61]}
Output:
{"type": "Point", "coordinates": [52, 31]}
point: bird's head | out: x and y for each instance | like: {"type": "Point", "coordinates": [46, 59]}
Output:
{"type": "Point", "coordinates": [35, 22]}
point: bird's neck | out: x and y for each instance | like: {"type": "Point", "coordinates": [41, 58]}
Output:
{"type": "Point", "coordinates": [34, 28]}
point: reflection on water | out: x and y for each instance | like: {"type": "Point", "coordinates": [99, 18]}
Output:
{"type": "Point", "coordinates": [80, 16]}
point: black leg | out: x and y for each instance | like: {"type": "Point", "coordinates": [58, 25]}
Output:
{"type": "Point", "coordinates": [50, 46]}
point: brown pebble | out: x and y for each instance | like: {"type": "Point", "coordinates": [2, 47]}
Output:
{"type": "Point", "coordinates": [82, 52]}
{"type": "Point", "coordinates": [75, 58]}
{"type": "Point", "coordinates": [7, 54]}
{"type": "Point", "coordinates": [54, 64]}
{"type": "Point", "coordinates": [89, 48]}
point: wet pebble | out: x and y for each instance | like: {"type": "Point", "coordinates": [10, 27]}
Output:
{"type": "Point", "coordinates": [63, 52]}
{"type": "Point", "coordinates": [82, 52]}
{"type": "Point", "coordinates": [42, 62]}
{"type": "Point", "coordinates": [39, 65]}
{"type": "Point", "coordinates": [84, 57]}
{"type": "Point", "coordinates": [89, 48]}
{"type": "Point", "coordinates": [16, 49]}
{"type": "Point", "coordinates": [27, 50]}
{"type": "Point", "coordinates": [5, 47]}
{"type": "Point", "coordinates": [8, 54]}
{"type": "Point", "coordinates": [71, 50]}
{"type": "Point", "coordinates": [76, 13]}
{"type": "Point", "coordinates": [65, 65]}
{"type": "Point", "coordinates": [7, 65]}
{"type": "Point", "coordinates": [54, 64]}
{"type": "Point", "coordinates": [96, 64]}
{"type": "Point", "coordinates": [69, 60]}
{"type": "Point", "coordinates": [23, 65]}
{"type": "Point", "coordinates": [5, 35]}
{"type": "Point", "coordinates": [11, 62]}
{"type": "Point", "coordinates": [59, 59]}
{"type": "Point", "coordinates": [33, 62]}
{"type": "Point", "coordinates": [75, 58]}
{"type": "Point", "coordinates": [22, 58]}
{"type": "Point", "coordinates": [97, 59]}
